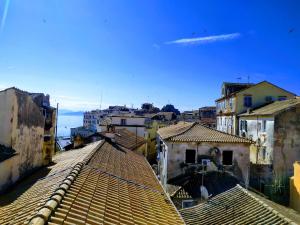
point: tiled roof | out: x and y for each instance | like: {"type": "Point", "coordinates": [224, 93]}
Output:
{"type": "Point", "coordinates": [127, 139]}
{"type": "Point", "coordinates": [235, 206]}
{"type": "Point", "coordinates": [172, 130]}
{"type": "Point", "coordinates": [26, 205]}
{"type": "Point", "coordinates": [194, 132]}
{"type": "Point", "coordinates": [124, 164]}
{"type": "Point", "coordinates": [113, 186]}
{"type": "Point", "coordinates": [273, 108]}
{"type": "Point", "coordinates": [215, 182]}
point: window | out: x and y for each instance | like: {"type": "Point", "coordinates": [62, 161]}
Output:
{"type": "Point", "coordinates": [123, 121]}
{"type": "Point", "coordinates": [188, 203]}
{"type": "Point", "coordinates": [227, 158]}
{"type": "Point", "coordinates": [248, 101]}
{"type": "Point", "coordinates": [263, 151]}
{"type": "Point", "coordinates": [264, 125]}
{"type": "Point", "coordinates": [281, 98]}
{"type": "Point", "coordinates": [259, 126]}
{"type": "Point", "coordinates": [269, 98]}
{"type": "Point", "coordinates": [190, 156]}
{"type": "Point", "coordinates": [242, 125]}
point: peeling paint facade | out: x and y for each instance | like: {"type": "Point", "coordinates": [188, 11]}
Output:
{"type": "Point", "coordinates": [173, 156]}
{"type": "Point", "coordinates": [22, 129]}
{"type": "Point", "coordinates": [277, 138]}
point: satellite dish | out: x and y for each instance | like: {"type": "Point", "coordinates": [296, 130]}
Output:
{"type": "Point", "coordinates": [204, 192]}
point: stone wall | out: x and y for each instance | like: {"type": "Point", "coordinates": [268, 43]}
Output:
{"type": "Point", "coordinates": [286, 141]}
{"type": "Point", "coordinates": [177, 151]}
{"type": "Point", "coordinates": [23, 130]}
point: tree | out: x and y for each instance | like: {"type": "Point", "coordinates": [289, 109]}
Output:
{"type": "Point", "coordinates": [170, 108]}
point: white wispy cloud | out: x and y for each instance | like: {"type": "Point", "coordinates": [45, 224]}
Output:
{"type": "Point", "coordinates": [206, 39]}
{"type": "Point", "coordinates": [76, 103]}
{"type": "Point", "coordinates": [5, 11]}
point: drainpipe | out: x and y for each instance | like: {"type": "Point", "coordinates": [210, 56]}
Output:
{"type": "Point", "coordinates": [197, 153]}
{"type": "Point", "coordinates": [257, 139]}
{"type": "Point", "coordinates": [56, 119]}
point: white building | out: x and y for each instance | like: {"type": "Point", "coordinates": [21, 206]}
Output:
{"type": "Point", "coordinates": [263, 126]}
{"type": "Point", "coordinates": [185, 146]}
{"type": "Point", "coordinates": [133, 123]}
{"type": "Point", "coordinates": [276, 130]}
{"type": "Point", "coordinates": [91, 119]}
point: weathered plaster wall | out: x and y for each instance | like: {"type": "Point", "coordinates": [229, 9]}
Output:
{"type": "Point", "coordinates": [255, 132]}
{"type": "Point", "coordinates": [287, 141]}
{"type": "Point", "coordinates": [129, 120]}
{"type": "Point", "coordinates": [176, 156]}
{"type": "Point", "coordinates": [25, 131]}
{"type": "Point", "coordinates": [6, 109]}
{"type": "Point", "coordinates": [163, 162]}
{"type": "Point", "coordinates": [259, 93]}
{"type": "Point", "coordinates": [139, 131]}
{"type": "Point", "coordinates": [49, 138]}
{"type": "Point", "coordinates": [226, 124]}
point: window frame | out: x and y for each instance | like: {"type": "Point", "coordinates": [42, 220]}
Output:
{"type": "Point", "coordinates": [264, 125]}
{"type": "Point", "coordinates": [231, 157]}
{"type": "Point", "coordinates": [248, 103]}
{"type": "Point", "coordinates": [185, 158]}
{"type": "Point", "coordinates": [123, 122]}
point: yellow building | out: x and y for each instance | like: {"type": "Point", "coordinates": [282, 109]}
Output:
{"type": "Point", "coordinates": [151, 138]}
{"type": "Point", "coordinates": [295, 188]}
{"type": "Point", "coordinates": [49, 135]}
{"type": "Point", "coordinates": [26, 134]}
{"type": "Point", "coordinates": [238, 98]}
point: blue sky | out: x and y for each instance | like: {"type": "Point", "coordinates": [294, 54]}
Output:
{"type": "Point", "coordinates": [162, 52]}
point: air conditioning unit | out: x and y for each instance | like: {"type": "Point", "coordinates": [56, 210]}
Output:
{"type": "Point", "coordinates": [205, 162]}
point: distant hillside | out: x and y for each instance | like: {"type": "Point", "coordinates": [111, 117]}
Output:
{"type": "Point", "coordinates": [66, 112]}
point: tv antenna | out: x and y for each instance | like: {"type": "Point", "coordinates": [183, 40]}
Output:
{"type": "Point", "coordinates": [101, 99]}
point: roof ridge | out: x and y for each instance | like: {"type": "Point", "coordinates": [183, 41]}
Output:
{"type": "Point", "coordinates": [188, 128]}
{"type": "Point", "coordinates": [43, 214]}
{"type": "Point", "coordinates": [233, 135]}
{"type": "Point", "coordinates": [266, 205]}
{"type": "Point", "coordinates": [281, 106]}
{"type": "Point", "coordinates": [264, 81]}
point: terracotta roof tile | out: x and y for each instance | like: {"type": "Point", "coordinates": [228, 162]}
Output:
{"type": "Point", "coordinates": [173, 130]}
{"type": "Point", "coordinates": [100, 198]}
{"type": "Point", "coordinates": [127, 139]}
{"type": "Point", "coordinates": [235, 206]}
{"type": "Point", "coordinates": [27, 204]}
{"type": "Point", "coordinates": [124, 164]}
{"type": "Point", "coordinates": [113, 186]}
{"type": "Point", "coordinates": [273, 108]}
{"type": "Point", "coordinates": [195, 132]}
